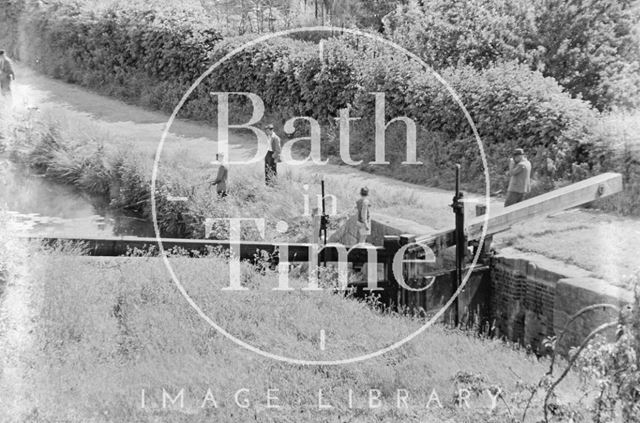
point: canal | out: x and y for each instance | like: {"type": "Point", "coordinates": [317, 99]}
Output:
{"type": "Point", "coordinates": [37, 206]}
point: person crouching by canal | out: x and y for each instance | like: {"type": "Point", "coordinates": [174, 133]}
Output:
{"type": "Point", "coordinates": [6, 74]}
{"type": "Point", "coordinates": [364, 215]}
{"type": "Point", "coordinates": [221, 178]}
{"type": "Point", "coordinates": [519, 178]}
{"type": "Point", "coordinates": [272, 157]}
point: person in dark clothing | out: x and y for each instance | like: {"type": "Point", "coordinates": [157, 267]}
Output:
{"type": "Point", "coordinates": [6, 74]}
{"type": "Point", "coordinates": [221, 178]}
{"type": "Point", "coordinates": [272, 157]}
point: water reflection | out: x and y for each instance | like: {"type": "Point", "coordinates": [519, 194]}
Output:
{"type": "Point", "coordinates": [36, 206]}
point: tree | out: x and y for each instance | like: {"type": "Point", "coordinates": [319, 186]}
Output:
{"type": "Point", "coordinates": [459, 32]}
{"type": "Point", "coordinates": [592, 48]}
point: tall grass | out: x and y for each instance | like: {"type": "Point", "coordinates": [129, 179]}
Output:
{"type": "Point", "coordinates": [78, 152]}
{"type": "Point", "coordinates": [110, 328]}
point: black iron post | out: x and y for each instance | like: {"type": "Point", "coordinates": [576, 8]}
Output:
{"type": "Point", "coordinates": [461, 242]}
{"type": "Point", "coordinates": [324, 222]}
{"type": "Point", "coordinates": [391, 245]}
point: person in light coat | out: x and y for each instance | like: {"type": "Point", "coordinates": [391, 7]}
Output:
{"type": "Point", "coordinates": [364, 215]}
{"type": "Point", "coordinates": [6, 74]}
{"type": "Point", "coordinates": [519, 178]}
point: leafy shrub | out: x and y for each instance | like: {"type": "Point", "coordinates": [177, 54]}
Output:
{"type": "Point", "coordinates": [451, 33]}
{"type": "Point", "coordinates": [592, 47]}
{"type": "Point", "coordinates": [10, 11]}
{"type": "Point", "coordinates": [126, 52]}
{"type": "Point", "coordinates": [589, 46]}
{"type": "Point", "coordinates": [510, 105]}
{"type": "Point", "coordinates": [616, 367]}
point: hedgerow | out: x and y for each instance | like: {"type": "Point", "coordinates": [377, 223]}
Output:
{"type": "Point", "coordinates": [510, 105]}
{"type": "Point", "coordinates": [10, 12]}
{"type": "Point", "coordinates": [135, 54]}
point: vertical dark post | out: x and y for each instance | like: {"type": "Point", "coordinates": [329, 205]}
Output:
{"type": "Point", "coordinates": [324, 221]}
{"type": "Point", "coordinates": [461, 242]}
{"type": "Point", "coordinates": [391, 245]}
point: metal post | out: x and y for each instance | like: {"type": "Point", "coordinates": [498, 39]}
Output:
{"type": "Point", "coordinates": [324, 222]}
{"type": "Point", "coordinates": [461, 242]}
{"type": "Point", "coordinates": [391, 245]}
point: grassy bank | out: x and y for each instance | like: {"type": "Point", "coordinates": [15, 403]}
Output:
{"type": "Point", "coordinates": [109, 328]}
{"type": "Point", "coordinates": [76, 150]}
{"type": "Point", "coordinates": [118, 172]}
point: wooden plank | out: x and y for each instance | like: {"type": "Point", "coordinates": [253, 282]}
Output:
{"type": "Point", "coordinates": [555, 201]}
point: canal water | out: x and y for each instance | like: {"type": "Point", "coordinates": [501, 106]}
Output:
{"type": "Point", "coordinates": [36, 206]}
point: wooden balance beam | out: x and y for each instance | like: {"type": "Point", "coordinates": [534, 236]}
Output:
{"type": "Point", "coordinates": [555, 201]}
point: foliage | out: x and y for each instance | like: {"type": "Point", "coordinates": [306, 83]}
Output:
{"type": "Point", "coordinates": [589, 46]}
{"type": "Point", "coordinates": [132, 53]}
{"type": "Point", "coordinates": [510, 105]}
{"type": "Point", "coordinates": [592, 47]}
{"type": "Point", "coordinates": [616, 367]}
{"type": "Point", "coordinates": [452, 33]}
{"type": "Point", "coordinates": [10, 12]}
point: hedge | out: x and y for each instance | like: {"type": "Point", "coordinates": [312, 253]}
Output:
{"type": "Point", "coordinates": [147, 56]}
{"type": "Point", "coordinates": [150, 57]}
{"type": "Point", "coordinates": [10, 12]}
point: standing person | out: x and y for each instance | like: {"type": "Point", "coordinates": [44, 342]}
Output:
{"type": "Point", "coordinates": [519, 178]}
{"type": "Point", "coordinates": [6, 74]}
{"type": "Point", "coordinates": [364, 215]}
{"type": "Point", "coordinates": [272, 157]}
{"type": "Point", "coordinates": [221, 178]}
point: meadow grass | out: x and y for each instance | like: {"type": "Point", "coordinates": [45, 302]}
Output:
{"type": "Point", "coordinates": [107, 328]}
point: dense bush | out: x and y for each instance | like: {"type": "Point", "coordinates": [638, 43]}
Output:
{"type": "Point", "coordinates": [510, 105]}
{"type": "Point", "coordinates": [10, 11]}
{"type": "Point", "coordinates": [590, 46]}
{"type": "Point", "coordinates": [136, 54]}
{"type": "Point", "coordinates": [450, 33]}
{"type": "Point", "coordinates": [616, 367]}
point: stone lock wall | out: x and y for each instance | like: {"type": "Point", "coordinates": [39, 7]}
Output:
{"type": "Point", "coordinates": [572, 294]}
{"type": "Point", "coordinates": [532, 297]}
